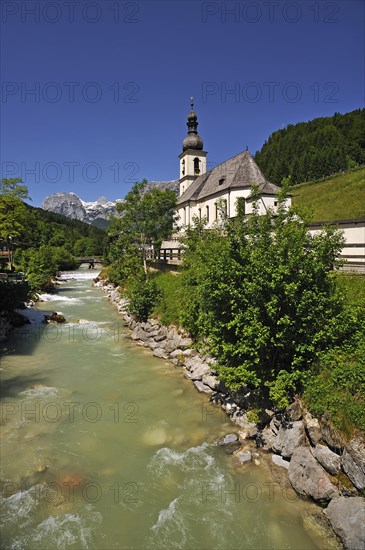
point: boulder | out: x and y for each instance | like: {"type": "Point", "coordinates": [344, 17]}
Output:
{"type": "Point", "coordinates": [331, 436]}
{"type": "Point", "coordinates": [347, 517]}
{"type": "Point", "coordinates": [211, 381]}
{"type": "Point", "coordinates": [159, 352]}
{"type": "Point", "coordinates": [265, 439]}
{"type": "Point", "coordinates": [189, 352]}
{"type": "Point", "coordinates": [242, 457]}
{"type": "Point", "coordinates": [185, 343]}
{"type": "Point", "coordinates": [312, 428]}
{"type": "Point", "coordinates": [230, 443]}
{"type": "Point", "coordinates": [55, 318]}
{"type": "Point", "coordinates": [288, 439]}
{"type": "Point", "coordinates": [198, 372]}
{"type": "Point", "coordinates": [279, 461]}
{"type": "Point", "coordinates": [170, 346]}
{"type": "Point", "coordinates": [176, 353]}
{"type": "Point", "coordinates": [329, 460]}
{"type": "Point", "coordinates": [160, 337]}
{"type": "Point", "coordinates": [152, 344]}
{"type": "Point", "coordinates": [308, 478]}
{"type": "Point", "coordinates": [192, 362]}
{"type": "Point", "coordinates": [202, 387]}
{"type": "Point", "coordinates": [228, 439]}
{"type": "Point", "coordinates": [295, 411]}
{"type": "Point", "coordinates": [139, 334]}
{"type": "Point", "coordinates": [353, 462]}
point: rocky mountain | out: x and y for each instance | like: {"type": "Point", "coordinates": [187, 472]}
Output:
{"type": "Point", "coordinates": [95, 213]}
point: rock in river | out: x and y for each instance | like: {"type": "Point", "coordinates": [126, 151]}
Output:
{"type": "Point", "coordinates": [347, 517]}
{"type": "Point", "coordinates": [308, 478]}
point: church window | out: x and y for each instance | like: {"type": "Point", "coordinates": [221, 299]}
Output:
{"type": "Point", "coordinates": [196, 166]}
{"type": "Point", "coordinates": [183, 167]}
{"type": "Point", "coordinates": [216, 211]}
{"type": "Point", "coordinates": [207, 213]}
{"type": "Point", "coordinates": [200, 213]}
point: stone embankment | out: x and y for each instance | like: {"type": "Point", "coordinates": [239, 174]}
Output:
{"type": "Point", "coordinates": [319, 463]}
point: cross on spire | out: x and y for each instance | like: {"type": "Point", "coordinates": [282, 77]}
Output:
{"type": "Point", "coordinates": [192, 103]}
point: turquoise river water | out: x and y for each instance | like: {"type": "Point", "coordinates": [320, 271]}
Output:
{"type": "Point", "coordinates": [106, 447]}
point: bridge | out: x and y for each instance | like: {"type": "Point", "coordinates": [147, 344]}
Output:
{"type": "Point", "coordinates": [88, 260]}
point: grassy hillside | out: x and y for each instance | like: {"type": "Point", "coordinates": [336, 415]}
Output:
{"type": "Point", "coordinates": [339, 197]}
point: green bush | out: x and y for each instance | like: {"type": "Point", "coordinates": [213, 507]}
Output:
{"type": "Point", "coordinates": [13, 294]}
{"type": "Point", "coordinates": [261, 292]}
{"type": "Point", "coordinates": [168, 306]}
{"type": "Point", "coordinates": [336, 389]}
{"type": "Point", "coordinates": [143, 295]}
{"type": "Point", "coordinates": [127, 267]}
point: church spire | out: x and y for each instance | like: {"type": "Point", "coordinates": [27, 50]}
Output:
{"type": "Point", "coordinates": [192, 140]}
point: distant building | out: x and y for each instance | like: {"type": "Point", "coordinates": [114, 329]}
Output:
{"type": "Point", "coordinates": [204, 194]}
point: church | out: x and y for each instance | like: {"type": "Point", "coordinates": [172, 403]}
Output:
{"type": "Point", "coordinates": [204, 194]}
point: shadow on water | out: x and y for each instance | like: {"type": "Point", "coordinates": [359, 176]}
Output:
{"type": "Point", "coordinates": [24, 339]}
{"type": "Point", "coordinates": [13, 386]}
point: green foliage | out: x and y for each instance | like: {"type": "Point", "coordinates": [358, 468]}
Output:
{"type": "Point", "coordinates": [12, 213]}
{"type": "Point", "coordinates": [261, 292]}
{"type": "Point", "coordinates": [335, 198]}
{"type": "Point", "coordinates": [168, 306]}
{"type": "Point", "coordinates": [353, 286]}
{"type": "Point", "coordinates": [336, 389]}
{"type": "Point", "coordinates": [126, 267]}
{"type": "Point", "coordinates": [143, 295]}
{"type": "Point", "coordinates": [312, 150]}
{"type": "Point", "coordinates": [13, 294]}
{"type": "Point", "coordinates": [147, 219]}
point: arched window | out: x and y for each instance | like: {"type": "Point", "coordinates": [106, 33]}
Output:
{"type": "Point", "coordinates": [207, 213]}
{"type": "Point", "coordinates": [196, 166]}
{"type": "Point", "coordinates": [183, 167]}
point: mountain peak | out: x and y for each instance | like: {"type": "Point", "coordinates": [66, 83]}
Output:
{"type": "Point", "coordinates": [95, 213]}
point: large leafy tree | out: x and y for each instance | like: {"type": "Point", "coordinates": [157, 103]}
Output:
{"type": "Point", "coordinates": [147, 217]}
{"type": "Point", "coordinates": [260, 293]}
{"type": "Point", "coordinates": [12, 213]}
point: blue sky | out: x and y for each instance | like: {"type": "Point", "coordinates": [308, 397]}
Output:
{"type": "Point", "coordinates": [111, 83]}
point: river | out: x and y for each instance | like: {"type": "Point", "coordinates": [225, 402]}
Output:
{"type": "Point", "coordinates": [105, 446]}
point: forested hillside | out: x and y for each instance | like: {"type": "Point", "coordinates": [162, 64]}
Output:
{"type": "Point", "coordinates": [40, 243]}
{"type": "Point", "coordinates": [312, 150]}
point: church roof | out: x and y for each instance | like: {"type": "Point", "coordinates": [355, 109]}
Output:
{"type": "Point", "coordinates": [237, 172]}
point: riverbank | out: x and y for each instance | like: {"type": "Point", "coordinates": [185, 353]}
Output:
{"type": "Point", "coordinates": [318, 462]}
{"type": "Point", "coordinates": [89, 411]}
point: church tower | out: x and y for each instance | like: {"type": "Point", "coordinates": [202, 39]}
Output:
{"type": "Point", "coordinates": [193, 161]}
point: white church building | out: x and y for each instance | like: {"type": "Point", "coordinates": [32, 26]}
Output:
{"type": "Point", "coordinates": [203, 193]}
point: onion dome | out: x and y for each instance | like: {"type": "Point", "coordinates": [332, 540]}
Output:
{"type": "Point", "coordinates": [192, 140]}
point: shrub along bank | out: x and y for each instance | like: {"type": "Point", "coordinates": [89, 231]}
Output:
{"type": "Point", "coordinates": [262, 296]}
